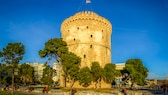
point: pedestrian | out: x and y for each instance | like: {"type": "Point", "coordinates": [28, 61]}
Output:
{"type": "Point", "coordinates": [125, 91]}
{"type": "Point", "coordinates": [164, 89]}
{"type": "Point", "coordinates": [73, 91]}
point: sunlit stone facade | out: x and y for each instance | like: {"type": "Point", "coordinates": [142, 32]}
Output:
{"type": "Point", "coordinates": [38, 70]}
{"type": "Point", "coordinates": [56, 67]}
{"type": "Point", "coordinates": [120, 66]}
{"type": "Point", "coordinates": [88, 35]}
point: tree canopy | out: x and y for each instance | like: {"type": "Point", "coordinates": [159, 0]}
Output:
{"type": "Point", "coordinates": [109, 72]}
{"type": "Point", "coordinates": [136, 70]}
{"type": "Point", "coordinates": [70, 66]}
{"type": "Point", "coordinates": [85, 76]}
{"type": "Point", "coordinates": [4, 74]}
{"type": "Point", "coordinates": [47, 75]}
{"type": "Point", "coordinates": [97, 73]}
{"type": "Point", "coordinates": [26, 73]}
{"type": "Point", "coordinates": [11, 55]}
{"type": "Point", "coordinates": [54, 48]}
{"type": "Point", "coordinates": [57, 48]}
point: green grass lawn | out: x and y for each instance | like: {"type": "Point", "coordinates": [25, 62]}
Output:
{"type": "Point", "coordinates": [15, 93]}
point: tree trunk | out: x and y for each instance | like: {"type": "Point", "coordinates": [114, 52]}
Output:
{"type": "Point", "coordinates": [56, 57]}
{"type": "Point", "coordinates": [125, 80]}
{"type": "Point", "coordinates": [0, 77]}
{"type": "Point", "coordinates": [72, 83]}
{"type": "Point", "coordinates": [100, 83]}
{"type": "Point", "coordinates": [13, 81]}
{"type": "Point", "coordinates": [96, 83]}
{"type": "Point", "coordinates": [132, 84]}
{"type": "Point", "coordinates": [64, 81]}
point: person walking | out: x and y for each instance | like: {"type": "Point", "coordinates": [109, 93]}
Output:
{"type": "Point", "coordinates": [125, 91]}
{"type": "Point", "coordinates": [73, 91]}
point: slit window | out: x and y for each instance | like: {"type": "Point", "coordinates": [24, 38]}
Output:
{"type": "Point", "coordinates": [90, 46]}
{"type": "Point", "coordinates": [84, 56]}
{"type": "Point", "coordinates": [91, 36]}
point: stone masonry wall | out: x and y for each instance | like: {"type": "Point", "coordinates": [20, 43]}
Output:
{"type": "Point", "coordinates": [88, 35]}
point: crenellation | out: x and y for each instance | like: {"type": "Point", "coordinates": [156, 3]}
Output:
{"type": "Point", "coordinates": [88, 16]}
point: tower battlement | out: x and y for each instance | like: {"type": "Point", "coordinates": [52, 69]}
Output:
{"type": "Point", "coordinates": [84, 16]}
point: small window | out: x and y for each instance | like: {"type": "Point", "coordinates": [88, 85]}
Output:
{"type": "Point", "coordinates": [84, 56]}
{"type": "Point", "coordinates": [87, 27]}
{"type": "Point", "coordinates": [102, 30]}
{"type": "Point", "coordinates": [78, 28]}
{"type": "Point", "coordinates": [91, 36]}
{"type": "Point", "coordinates": [90, 46]}
{"type": "Point", "coordinates": [74, 39]}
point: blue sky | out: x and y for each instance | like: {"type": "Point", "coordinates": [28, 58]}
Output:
{"type": "Point", "coordinates": [139, 27]}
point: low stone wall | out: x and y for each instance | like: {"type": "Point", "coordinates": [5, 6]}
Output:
{"type": "Point", "coordinates": [112, 92]}
{"type": "Point", "coordinates": [60, 92]}
{"type": "Point", "coordinates": [96, 93]}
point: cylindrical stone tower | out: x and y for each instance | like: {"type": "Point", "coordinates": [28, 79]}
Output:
{"type": "Point", "coordinates": [88, 35]}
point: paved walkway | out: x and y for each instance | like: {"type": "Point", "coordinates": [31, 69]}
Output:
{"type": "Point", "coordinates": [112, 92]}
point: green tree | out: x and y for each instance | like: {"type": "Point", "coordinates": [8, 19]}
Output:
{"type": "Point", "coordinates": [70, 65]}
{"type": "Point", "coordinates": [26, 73]}
{"type": "Point", "coordinates": [47, 75]}
{"type": "Point", "coordinates": [6, 80]}
{"type": "Point", "coordinates": [85, 76]}
{"type": "Point", "coordinates": [3, 71]}
{"type": "Point", "coordinates": [54, 48]}
{"type": "Point", "coordinates": [137, 71]}
{"type": "Point", "coordinates": [118, 73]}
{"type": "Point", "coordinates": [73, 74]}
{"type": "Point", "coordinates": [97, 73]}
{"type": "Point", "coordinates": [109, 72]}
{"type": "Point", "coordinates": [11, 55]}
{"type": "Point", "coordinates": [5, 74]}
{"type": "Point", "coordinates": [57, 48]}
